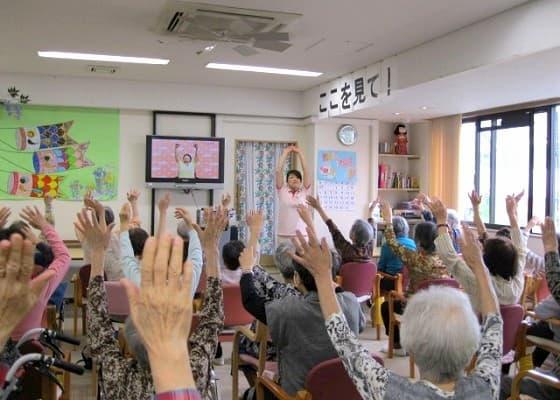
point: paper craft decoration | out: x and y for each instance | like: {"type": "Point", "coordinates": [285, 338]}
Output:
{"type": "Point", "coordinates": [44, 137]}
{"type": "Point", "coordinates": [34, 185]}
{"type": "Point", "coordinates": [61, 159]}
{"type": "Point", "coordinates": [336, 175]}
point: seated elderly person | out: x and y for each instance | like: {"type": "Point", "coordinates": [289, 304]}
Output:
{"type": "Point", "coordinates": [552, 268]}
{"type": "Point", "coordinates": [295, 322]}
{"type": "Point", "coordinates": [127, 378]}
{"type": "Point", "coordinates": [438, 326]}
{"type": "Point", "coordinates": [360, 249]}
{"type": "Point", "coordinates": [504, 258]}
{"type": "Point", "coordinates": [423, 264]}
{"type": "Point", "coordinates": [388, 262]}
{"type": "Point", "coordinates": [453, 221]}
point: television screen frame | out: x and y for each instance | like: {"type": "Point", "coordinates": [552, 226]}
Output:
{"type": "Point", "coordinates": [184, 183]}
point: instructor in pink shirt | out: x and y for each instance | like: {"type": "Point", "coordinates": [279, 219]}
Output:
{"type": "Point", "coordinates": [291, 193]}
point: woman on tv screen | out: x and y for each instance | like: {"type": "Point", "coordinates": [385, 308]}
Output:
{"type": "Point", "coordinates": [186, 164]}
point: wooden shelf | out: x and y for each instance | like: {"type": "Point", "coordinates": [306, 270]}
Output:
{"type": "Point", "coordinates": [397, 190]}
{"type": "Point", "coordinates": [408, 156]}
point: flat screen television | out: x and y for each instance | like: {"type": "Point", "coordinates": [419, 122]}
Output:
{"type": "Point", "coordinates": [180, 162]}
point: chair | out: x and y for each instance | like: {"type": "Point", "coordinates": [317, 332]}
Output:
{"type": "Point", "coordinates": [234, 312]}
{"type": "Point", "coordinates": [512, 315]}
{"type": "Point", "coordinates": [81, 282]}
{"type": "Point", "coordinates": [261, 337]}
{"type": "Point", "coordinates": [359, 278]}
{"type": "Point", "coordinates": [526, 369]}
{"type": "Point", "coordinates": [117, 301]}
{"type": "Point", "coordinates": [326, 381]}
{"type": "Point", "coordinates": [535, 290]}
{"type": "Point", "coordinates": [400, 284]}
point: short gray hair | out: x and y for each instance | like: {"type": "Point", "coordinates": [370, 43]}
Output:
{"type": "Point", "coordinates": [283, 260]}
{"type": "Point", "coordinates": [400, 226]}
{"type": "Point", "coordinates": [440, 328]}
{"type": "Point", "coordinates": [136, 344]}
{"type": "Point", "coordinates": [453, 219]}
{"type": "Point", "coordinates": [361, 232]}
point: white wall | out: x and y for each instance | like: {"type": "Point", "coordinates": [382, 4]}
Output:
{"type": "Point", "coordinates": [136, 95]}
{"type": "Point", "coordinates": [324, 138]}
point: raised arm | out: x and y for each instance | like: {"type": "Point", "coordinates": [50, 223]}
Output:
{"type": "Point", "coordinates": [551, 259]}
{"type": "Point", "coordinates": [204, 340]}
{"type": "Point", "coordinates": [177, 153]}
{"type": "Point", "coordinates": [489, 356]}
{"type": "Point", "coordinates": [195, 249]}
{"type": "Point", "coordinates": [306, 176]}
{"type": "Point", "coordinates": [196, 157]}
{"type": "Point", "coordinates": [455, 265]}
{"type": "Point", "coordinates": [255, 222]}
{"type": "Point", "coordinates": [315, 203]}
{"type": "Point", "coordinates": [132, 198]}
{"type": "Point", "coordinates": [129, 264]}
{"type": "Point", "coordinates": [49, 212]}
{"type": "Point", "coordinates": [518, 239]}
{"type": "Point", "coordinates": [253, 302]}
{"type": "Point", "coordinates": [369, 377]}
{"type": "Point", "coordinates": [163, 205]}
{"type": "Point", "coordinates": [476, 199]}
{"type": "Point", "coordinates": [280, 167]}
{"type": "Point", "coordinates": [305, 215]}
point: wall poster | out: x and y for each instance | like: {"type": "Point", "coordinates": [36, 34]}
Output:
{"type": "Point", "coordinates": [336, 179]}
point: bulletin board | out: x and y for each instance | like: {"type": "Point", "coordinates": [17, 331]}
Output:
{"type": "Point", "coordinates": [60, 152]}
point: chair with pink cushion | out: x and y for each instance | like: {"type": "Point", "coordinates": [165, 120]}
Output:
{"type": "Point", "coordinates": [512, 315]}
{"type": "Point", "coordinates": [117, 301]}
{"type": "Point", "coordinates": [234, 312]}
{"type": "Point", "coordinates": [449, 282]}
{"type": "Point", "coordinates": [326, 381]}
{"type": "Point", "coordinates": [359, 278]}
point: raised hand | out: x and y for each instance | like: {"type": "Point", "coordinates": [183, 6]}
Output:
{"type": "Point", "coordinates": [93, 229]}
{"type": "Point", "coordinates": [185, 215]}
{"type": "Point", "coordinates": [30, 235]}
{"type": "Point", "coordinates": [315, 256]}
{"type": "Point", "coordinates": [549, 238]}
{"type": "Point", "coordinates": [475, 199]}
{"type": "Point", "coordinates": [226, 200]}
{"type": "Point", "coordinates": [372, 206]}
{"type": "Point", "coordinates": [438, 209]}
{"type": "Point", "coordinates": [93, 204]}
{"type": "Point", "coordinates": [216, 221]}
{"type": "Point", "coordinates": [48, 200]}
{"type": "Point", "coordinates": [33, 217]}
{"type": "Point", "coordinates": [386, 212]}
{"type": "Point", "coordinates": [133, 195]}
{"type": "Point", "coordinates": [255, 220]}
{"type": "Point", "coordinates": [471, 249]}
{"type": "Point", "coordinates": [163, 203]}
{"type": "Point", "coordinates": [125, 214]}
{"type": "Point", "coordinates": [161, 310]}
{"type": "Point", "coordinates": [248, 259]}
{"type": "Point", "coordinates": [4, 215]}
{"type": "Point", "coordinates": [18, 294]}
{"type": "Point", "coordinates": [313, 202]}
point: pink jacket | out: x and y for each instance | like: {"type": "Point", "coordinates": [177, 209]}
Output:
{"type": "Point", "coordinates": [60, 266]}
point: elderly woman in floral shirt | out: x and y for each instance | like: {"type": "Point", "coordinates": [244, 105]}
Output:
{"type": "Point", "coordinates": [126, 378]}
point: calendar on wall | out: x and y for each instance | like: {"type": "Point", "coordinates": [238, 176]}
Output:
{"type": "Point", "coordinates": [336, 179]}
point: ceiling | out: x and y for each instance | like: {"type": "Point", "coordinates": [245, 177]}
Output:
{"type": "Point", "coordinates": [326, 39]}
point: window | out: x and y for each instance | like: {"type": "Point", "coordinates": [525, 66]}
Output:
{"type": "Point", "coordinates": [510, 152]}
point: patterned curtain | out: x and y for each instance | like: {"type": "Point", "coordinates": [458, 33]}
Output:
{"type": "Point", "coordinates": [255, 180]}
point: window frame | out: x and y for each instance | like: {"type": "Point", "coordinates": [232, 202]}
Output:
{"type": "Point", "coordinates": [522, 115]}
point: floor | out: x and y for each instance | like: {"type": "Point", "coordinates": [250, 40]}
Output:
{"type": "Point", "coordinates": [82, 387]}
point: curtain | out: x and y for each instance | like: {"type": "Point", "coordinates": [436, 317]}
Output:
{"type": "Point", "coordinates": [255, 180]}
{"type": "Point", "coordinates": [444, 159]}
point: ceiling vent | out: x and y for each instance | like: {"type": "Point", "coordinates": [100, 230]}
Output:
{"type": "Point", "coordinates": [246, 28]}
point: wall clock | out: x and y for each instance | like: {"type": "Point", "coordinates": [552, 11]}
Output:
{"type": "Point", "coordinates": [347, 135]}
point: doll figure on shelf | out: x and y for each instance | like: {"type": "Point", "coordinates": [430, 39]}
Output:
{"type": "Point", "coordinates": [401, 140]}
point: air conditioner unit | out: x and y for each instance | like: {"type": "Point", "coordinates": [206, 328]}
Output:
{"type": "Point", "coordinates": [215, 23]}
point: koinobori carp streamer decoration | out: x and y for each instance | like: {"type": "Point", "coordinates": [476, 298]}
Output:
{"type": "Point", "coordinates": [34, 185]}
{"type": "Point", "coordinates": [44, 136]}
{"type": "Point", "coordinates": [61, 159]}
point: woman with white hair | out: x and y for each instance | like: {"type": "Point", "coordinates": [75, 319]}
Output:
{"type": "Point", "coordinates": [360, 249]}
{"type": "Point", "coordinates": [439, 328]}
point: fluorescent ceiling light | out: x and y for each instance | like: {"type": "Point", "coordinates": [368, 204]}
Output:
{"type": "Point", "coordinates": [265, 70]}
{"type": "Point", "coordinates": [102, 57]}
{"type": "Point", "coordinates": [424, 107]}
{"type": "Point", "coordinates": [397, 113]}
